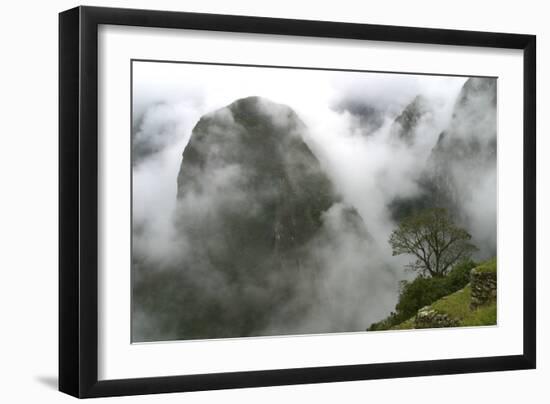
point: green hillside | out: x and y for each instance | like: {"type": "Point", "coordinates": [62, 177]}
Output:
{"type": "Point", "coordinates": [472, 305]}
{"type": "Point", "coordinates": [457, 307]}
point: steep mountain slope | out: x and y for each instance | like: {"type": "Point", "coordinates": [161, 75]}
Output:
{"type": "Point", "coordinates": [252, 200]}
{"type": "Point", "coordinates": [468, 146]}
{"type": "Point", "coordinates": [250, 162]}
{"type": "Point", "coordinates": [461, 169]}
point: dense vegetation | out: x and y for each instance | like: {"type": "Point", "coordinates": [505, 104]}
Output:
{"type": "Point", "coordinates": [427, 295]}
{"type": "Point", "coordinates": [423, 291]}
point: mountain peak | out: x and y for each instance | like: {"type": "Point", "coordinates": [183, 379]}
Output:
{"type": "Point", "coordinates": [405, 124]}
{"type": "Point", "coordinates": [251, 201]}
{"type": "Point", "coordinates": [478, 87]}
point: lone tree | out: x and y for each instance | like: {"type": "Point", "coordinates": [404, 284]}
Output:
{"type": "Point", "coordinates": [434, 240]}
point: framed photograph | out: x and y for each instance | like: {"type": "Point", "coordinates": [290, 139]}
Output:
{"type": "Point", "coordinates": [251, 201]}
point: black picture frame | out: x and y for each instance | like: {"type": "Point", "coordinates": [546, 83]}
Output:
{"type": "Point", "coordinates": [78, 201]}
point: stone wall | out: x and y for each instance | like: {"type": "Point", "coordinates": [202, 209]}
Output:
{"type": "Point", "coordinates": [484, 287]}
{"type": "Point", "coordinates": [430, 318]}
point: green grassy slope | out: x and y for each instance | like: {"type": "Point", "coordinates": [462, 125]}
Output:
{"type": "Point", "coordinates": [488, 266]}
{"type": "Point", "coordinates": [457, 306]}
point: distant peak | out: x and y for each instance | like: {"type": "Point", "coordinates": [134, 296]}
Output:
{"type": "Point", "coordinates": [257, 102]}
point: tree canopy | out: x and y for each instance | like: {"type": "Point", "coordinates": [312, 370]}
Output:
{"type": "Point", "coordinates": [434, 240]}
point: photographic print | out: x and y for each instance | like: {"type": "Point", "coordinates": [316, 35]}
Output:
{"type": "Point", "coordinates": [271, 201]}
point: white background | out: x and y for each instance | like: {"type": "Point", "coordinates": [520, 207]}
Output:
{"type": "Point", "coordinates": [28, 221]}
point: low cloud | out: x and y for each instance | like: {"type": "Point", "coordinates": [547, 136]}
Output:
{"type": "Point", "coordinates": [349, 119]}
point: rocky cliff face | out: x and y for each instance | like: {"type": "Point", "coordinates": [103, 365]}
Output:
{"type": "Point", "coordinates": [251, 204]}
{"type": "Point", "coordinates": [468, 146]}
{"type": "Point", "coordinates": [464, 155]}
{"type": "Point", "coordinates": [404, 126]}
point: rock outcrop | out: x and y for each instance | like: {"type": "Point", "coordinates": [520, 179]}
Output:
{"type": "Point", "coordinates": [427, 317]}
{"type": "Point", "coordinates": [405, 125]}
{"type": "Point", "coordinates": [484, 287]}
